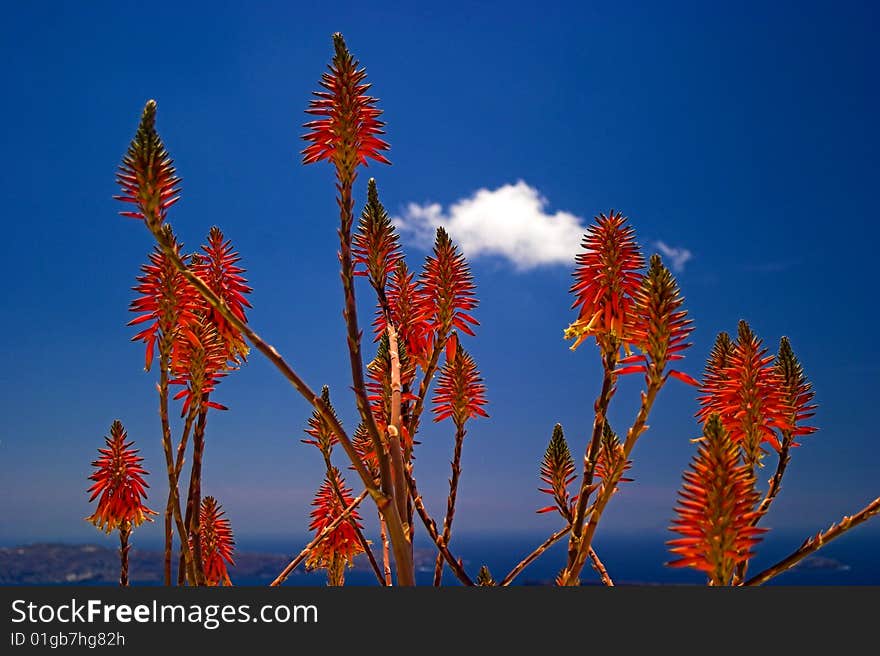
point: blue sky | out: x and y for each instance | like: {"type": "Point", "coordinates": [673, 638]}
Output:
{"type": "Point", "coordinates": [745, 134]}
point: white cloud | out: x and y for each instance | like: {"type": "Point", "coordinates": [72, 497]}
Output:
{"type": "Point", "coordinates": [511, 222]}
{"type": "Point", "coordinates": [677, 257]}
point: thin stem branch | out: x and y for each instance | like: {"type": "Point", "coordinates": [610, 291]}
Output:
{"type": "Point", "coordinates": [608, 488]}
{"type": "Point", "coordinates": [576, 554]}
{"type": "Point", "coordinates": [775, 483]}
{"type": "Point", "coordinates": [164, 362]}
{"type": "Point", "coordinates": [600, 568]}
{"type": "Point", "coordinates": [532, 557]}
{"type": "Point", "coordinates": [425, 384]}
{"type": "Point", "coordinates": [401, 494]}
{"type": "Point", "coordinates": [178, 466]}
{"type": "Point", "coordinates": [124, 533]}
{"type": "Point", "coordinates": [318, 538]}
{"type": "Point", "coordinates": [450, 502]}
{"type": "Point", "coordinates": [386, 556]}
{"type": "Point", "coordinates": [194, 497]}
{"type": "Point", "coordinates": [816, 542]}
{"type": "Point", "coordinates": [431, 527]}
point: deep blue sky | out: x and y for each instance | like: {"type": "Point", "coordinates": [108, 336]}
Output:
{"type": "Point", "coordinates": [745, 133]}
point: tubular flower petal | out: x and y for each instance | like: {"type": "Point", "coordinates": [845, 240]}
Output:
{"type": "Point", "coordinates": [347, 130]}
{"type": "Point", "coordinates": [217, 541]}
{"type": "Point", "coordinates": [448, 288]}
{"type": "Point", "coordinates": [797, 391]}
{"type": "Point", "coordinates": [607, 280]}
{"type": "Point", "coordinates": [660, 327]}
{"type": "Point", "coordinates": [217, 266]}
{"type": "Point", "coordinates": [166, 302]}
{"type": "Point", "coordinates": [342, 542]}
{"type": "Point", "coordinates": [460, 392]}
{"type": "Point", "coordinates": [746, 393]}
{"type": "Point", "coordinates": [557, 472]}
{"type": "Point", "coordinates": [119, 482]}
{"type": "Point", "coordinates": [716, 508]}
{"type": "Point", "coordinates": [376, 244]}
{"type": "Point", "coordinates": [146, 175]}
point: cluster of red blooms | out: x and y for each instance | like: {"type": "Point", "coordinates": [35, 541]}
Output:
{"type": "Point", "coordinates": [332, 499]}
{"type": "Point", "coordinates": [118, 484]}
{"type": "Point", "coordinates": [217, 542]}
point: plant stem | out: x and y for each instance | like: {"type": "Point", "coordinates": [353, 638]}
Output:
{"type": "Point", "coordinates": [431, 527]}
{"type": "Point", "coordinates": [450, 502]}
{"type": "Point", "coordinates": [775, 483]}
{"type": "Point", "coordinates": [599, 566]}
{"type": "Point", "coordinates": [816, 542]}
{"type": "Point", "coordinates": [124, 533]}
{"type": "Point", "coordinates": [608, 487]}
{"type": "Point", "coordinates": [425, 384]}
{"type": "Point", "coordinates": [569, 575]}
{"type": "Point", "coordinates": [532, 557]}
{"type": "Point", "coordinates": [402, 549]}
{"type": "Point", "coordinates": [386, 559]}
{"type": "Point", "coordinates": [401, 494]}
{"type": "Point", "coordinates": [318, 538]}
{"type": "Point", "coordinates": [194, 498]}
{"type": "Point", "coordinates": [169, 508]}
{"type": "Point", "coordinates": [395, 525]}
{"type": "Point", "coordinates": [164, 361]}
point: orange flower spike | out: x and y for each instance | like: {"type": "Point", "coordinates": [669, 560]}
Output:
{"type": "Point", "coordinates": [714, 375]}
{"type": "Point", "coordinates": [218, 266]}
{"type": "Point", "coordinates": [460, 392]}
{"type": "Point", "coordinates": [146, 175]}
{"type": "Point", "coordinates": [747, 395]}
{"type": "Point", "coordinates": [376, 244]}
{"type": "Point", "coordinates": [119, 484]}
{"type": "Point", "coordinates": [716, 508]}
{"type": "Point", "coordinates": [658, 326]}
{"type": "Point", "coordinates": [198, 362]}
{"type": "Point", "coordinates": [797, 391]}
{"type": "Point", "coordinates": [449, 290]}
{"type": "Point", "coordinates": [166, 300]}
{"type": "Point", "coordinates": [410, 313]}
{"type": "Point", "coordinates": [607, 279]}
{"type": "Point", "coordinates": [348, 129]}
{"type": "Point", "coordinates": [218, 543]}
{"type": "Point", "coordinates": [612, 463]}
{"type": "Point", "coordinates": [342, 542]}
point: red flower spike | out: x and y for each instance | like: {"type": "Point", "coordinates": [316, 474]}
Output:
{"type": "Point", "coordinates": [218, 268]}
{"type": "Point", "coordinates": [119, 482]}
{"type": "Point", "coordinates": [715, 372]}
{"type": "Point", "coordinates": [167, 301]}
{"type": "Point", "coordinates": [376, 244]}
{"type": "Point", "coordinates": [342, 542]}
{"type": "Point", "coordinates": [448, 288]}
{"type": "Point", "coordinates": [797, 391]}
{"type": "Point", "coordinates": [217, 542]}
{"type": "Point", "coordinates": [607, 280]}
{"type": "Point", "coordinates": [716, 508]}
{"type": "Point", "coordinates": [460, 392]}
{"type": "Point", "coordinates": [747, 396]}
{"type": "Point", "coordinates": [406, 302]}
{"type": "Point", "coordinates": [318, 431]}
{"type": "Point", "coordinates": [198, 362]}
{"type": "Point", "coordinates": [557, 472]}
{"type": "Point", "coordinates": [659, 327]}
{"type": "Point", "coordinates": [146, 175]}
{"type": "Point", "coordinates": [348, 128]}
